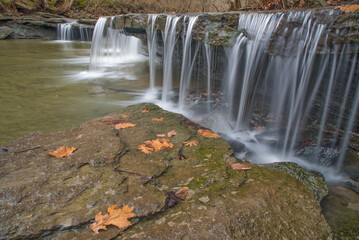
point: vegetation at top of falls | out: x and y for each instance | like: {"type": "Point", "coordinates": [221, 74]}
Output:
{"type": "Point", "coordinates": [96, 8]}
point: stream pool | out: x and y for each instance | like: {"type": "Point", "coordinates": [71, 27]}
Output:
{"type": "Point", "coordinates": [46, 86]}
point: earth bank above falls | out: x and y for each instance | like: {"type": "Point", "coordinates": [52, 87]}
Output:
{"type": "Point", "coordinates": [58, 198]}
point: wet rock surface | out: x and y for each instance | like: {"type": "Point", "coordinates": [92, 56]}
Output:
{"type": "Point", "coordinates": [58, 198]}
{"type": "Point", "coordinates": [40, 26]}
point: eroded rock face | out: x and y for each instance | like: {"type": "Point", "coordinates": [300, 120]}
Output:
{"type": "Point", "coordinates": [43, 196]}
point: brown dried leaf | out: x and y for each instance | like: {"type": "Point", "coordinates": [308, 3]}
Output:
{"type": "Point", "coordinates": [271, 190]}
{"type": "Point", "coordinates": [144, 110]}
{"type": "Point", "coordinates": [190, 143]}
{"type": "Point", "coordinates": [161, 135]}
{"type": "Point", "coordinates": [124, 125]}
{"type": "Point", "coordinates": [157, 119]}
{"type": "Point", "coordinates": [240, 166]}
{"type": "Point", "coordinates": [270, 120]}
{"type": "Point", "coordinates": [29, 216]}
{"type": "Point", "coordinates": [124, 116]}
{"type": "Point", "coordinates": [62, 151]}
{"type": "Point", "coordinates": [349, 8]}
{"type": "Point", "coordinates": [171, 133]}
{"type": "Point", "coordinates": [259, 127]}
{"type": "Point", "coordinates": [182, 193]}
{"type": "Point", "coordinates": [143, 148]}
{"type": "Point", "coordinates": [117, 217]}
{"type": "Point", "coordinates": [208, 133]}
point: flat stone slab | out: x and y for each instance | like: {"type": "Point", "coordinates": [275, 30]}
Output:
{"type": "Point", "coordinates": [57, 198]}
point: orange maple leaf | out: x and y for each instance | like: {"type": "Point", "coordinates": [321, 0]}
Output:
{"type": "Point", "coordinates": [155, 145]}
{"type": "Point", "coordinates": [240, 166]}
{"type": "Point", "coordinates": [157, 119]}
{"type": "Point", "coordinates": [144, 110]}
{"type": "Point", "coordinates": [190, 143]}
{"type": "Point", "coordinates": [124, 125]}
{"type": "Point", "coordinates": [182, 193]}
{"type": "Point", "coordinates": [62, 151]}
{"type": "Point", "coordinates": [117, 217]}
{"type": "Point", "coordinates": [143, 148]}
{"type": "Point", "coordinates": [208, 133]}
{"type": "Point", "coordinates": [171, 133]}
{"type": "Point", "coordinates": [349, 8]}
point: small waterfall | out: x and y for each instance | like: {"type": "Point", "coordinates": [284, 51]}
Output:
{"type": "Point", "coordinates": [187, 61]}
{"type": "Point", "coordinates": [64, 31]}
{"type": "Point", "coordinates": [169, 41]}
{"type": "Point", "coordinates": [152, 49]}
{"type": "Point", "coordinates": [111, 46]}
{"type": "Point", "coordinates": [295, 93]}
{"type": "Point", "coordinates": [73, 31]}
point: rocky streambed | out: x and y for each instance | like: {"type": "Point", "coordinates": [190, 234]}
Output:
{"type": "Point", "coordinates": [57, 198]}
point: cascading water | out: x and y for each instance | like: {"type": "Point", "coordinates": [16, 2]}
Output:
{"type": "Point", "coordinates": [152, 49]}
{"type": "Point", "coordinates": [289, 94]}
{"type": "Point", "coordinates": [187, 61]}
{"type": "Point", "coordinates": [68, 32]}
{"type": "Point", "coordinates": [285, 96]}
{"type": "Point", "coordinates": [169, 41]}
{"type": "Point", "coordinates": [111, 46]}
{"type": "Point", "coordinates": [64, 31]}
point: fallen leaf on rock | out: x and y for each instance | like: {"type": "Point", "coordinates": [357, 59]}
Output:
{"type": "Point", "coordinates": [155, 145]}
{"type": "Point", "coordinates": [190, 143]}
{"type": "Point", "coordinates": [29, 216]}
{"type": "Point", "coordinates": [246, 161]}
{"type": "Point", "coordinates": [117, 217]}
{"type": "Point", "coordinates": [181, 157]}
{"type": "Point", "coordinates": [157, 119]}
{"type": "Point", "coordinates": [349, 8]}
{"type": "Point", "coordinates": [271, 190]}
{"type": "Point", "coordinates": [182, 193]}
{"type": "Point", "coordinates": [175, 197]}
{"type": "Point", "coordinates": [171, 133]}
{"type": "Point", "coordinates": [143, 148]}
{"type": "Point", "coordinates": [62, 151]}
{"type": "Point", "coordinates": [208, 133]}
{"type": "Point", "coordinates": [240, 166]}
{"type": "Point", "coordinates": [161, 135]}
{"type": "Point", "coordinates": [259, 127]}
{"type": "Point", "coordinates": [124, 125]}
{"type": "Point", "coordinates": [113, 122]}
{"type": "Point", "coordinates": [144, 110]}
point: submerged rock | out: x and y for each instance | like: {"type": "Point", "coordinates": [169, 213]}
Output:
{"type": "Point", "coordinates": [58, 198]}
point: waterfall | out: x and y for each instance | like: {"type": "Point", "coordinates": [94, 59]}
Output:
{"type": "Point", "coordinates": [291, 92]}
{"type": "Point", "coordinates": [187, 61]}
{"type": "Point", "coordinates": [111, 46]}
{"type": "Point", "coordinates": [169, 41]}
{"type": "Point", "coordinates": [64, 31]}
{"type": "Point", "coordinates": [71, 31]}
{"type": "Point", "coordinates": [152, 49]}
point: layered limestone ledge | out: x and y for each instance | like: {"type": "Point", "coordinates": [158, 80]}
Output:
{"type": "Point", "coordinates": [220, 29]}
